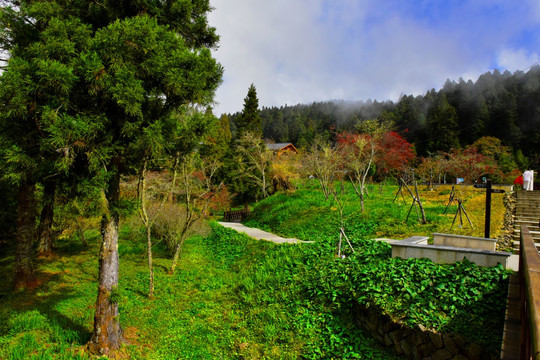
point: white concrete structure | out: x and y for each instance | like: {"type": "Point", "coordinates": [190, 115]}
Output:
{"type": "Point", "coordinates": [417, 247]}
{"type": "Point", "coordinates": [464, 241]}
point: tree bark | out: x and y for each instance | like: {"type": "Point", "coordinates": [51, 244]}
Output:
{"type": "Point", "coordinates": [26, 221]}
{"type": "Point", "coordinates": [150, 266]}
{"type": "Point", "coordinates": [141, 195]}
{"type": "Point", "coordinates": [107, 334]}
{"type": "Point", "coordinates": [177, 251]}
{"type": "Point", "coordinates": [45, 233]}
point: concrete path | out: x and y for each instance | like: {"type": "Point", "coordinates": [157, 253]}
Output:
{"type": "Point", "coordinates": [260, 235]}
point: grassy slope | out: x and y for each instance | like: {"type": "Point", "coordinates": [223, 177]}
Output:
{"type": "Point", "coordinates": [307, 215]}
{"type": "Point", "coordinates": [235, 298]}
{"type": "Point", "coordinates": [459, 298]}
{"type": "Point", "coordinates": [230, 298]}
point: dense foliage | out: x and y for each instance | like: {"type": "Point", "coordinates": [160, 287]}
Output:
{"type": "Point", "coordinates": [501, 105]}
{"type": "Point", "coordinates": [459, 298]}
{"type": "Point", "coordinates": [232, 297]}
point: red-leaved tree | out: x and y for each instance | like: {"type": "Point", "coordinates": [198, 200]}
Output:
{"type": "Point", "coordinates": [470, 164]}
{"type": "Point", "coordinates": [394, 154]}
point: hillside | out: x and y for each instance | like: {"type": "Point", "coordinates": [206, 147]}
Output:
{"type": "Point", "coordinates": [502, 105]}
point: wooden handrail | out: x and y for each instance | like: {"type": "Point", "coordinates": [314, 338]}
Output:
{"type": "Point", "coordinates": [235, 215]}
{"type": "Point", "coordinates": [529, 281]}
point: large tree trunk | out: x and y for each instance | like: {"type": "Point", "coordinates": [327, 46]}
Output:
{"type": "Point", "coordinates": [107, 333]}
{"type": "Point", "coordinates": [45, 233]}
{"type": "Point", "coordinates": [26, 226]}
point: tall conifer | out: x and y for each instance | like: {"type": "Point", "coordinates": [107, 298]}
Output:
{"type": "Point", "coordinates": [101, 85]}
{"type": "Point", "coordinates": [250, 118]}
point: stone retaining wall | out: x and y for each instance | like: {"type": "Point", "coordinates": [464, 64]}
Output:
{"type": "Point", "coordinates": [505, 240]}
{"type": "Point", "coordinates": [418, 342]}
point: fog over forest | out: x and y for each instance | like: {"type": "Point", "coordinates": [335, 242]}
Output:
{"type": "Point", "coordinates": [503, 105]}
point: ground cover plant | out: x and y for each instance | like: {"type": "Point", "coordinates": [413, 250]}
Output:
{"type": "Point", "coordinates": [461, 298]}
{"type": "Point", "coordinates": [235, 298]}
{"type": "Point", "coordinates": [231, 297]}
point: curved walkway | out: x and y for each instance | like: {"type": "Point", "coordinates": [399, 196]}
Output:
{"type": "Point", "coordinates": [260, 234]}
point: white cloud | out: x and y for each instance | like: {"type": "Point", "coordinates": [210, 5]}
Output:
{"type": "Point", "coordinates": [288, 49]}
{"type": "Point", "coordinates": [513, 60]}
{"type": "Point", "coordinates": [315, 50]}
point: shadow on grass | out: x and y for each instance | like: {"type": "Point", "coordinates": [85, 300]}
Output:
{"type": "Point", "coordinates": [54, 293]}
{"type": "Point", "coordinates": [479, 322]}
{"type": "Point", "coordinates": [16, 303]}
{"type": "Point", "coordinates": [46, 306]}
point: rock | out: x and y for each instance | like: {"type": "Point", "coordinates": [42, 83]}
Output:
{"type": "Point", "coordinates": [380, 327]}
{"type": "Point", "coordinates": [425, 350]}
{"type": "Point", "coordinates": [419, 338]}
{"type": "Point", "coordinates": [398, 350]}
{"type": "Point", "coordinates": [372, 325]}
{"type": "Point", "coordinates": [450, 345]}
{"type": "Point", "coordinates": [409, 338]}
{"type": "Point", "coordinates": [473, 351]}
{"type": "Point", "coordinates": [415, 353]}
{"type": "Point", "coordinates": [406, 349]}
{"type": "Point", "coordinates": [436, 339]}
{"type": "Point", "coordinates": [396, 336]}
{"type": "Point", "coordinates": [387, 340]}
{"type": "Point", "coordinates": [441, 354]}
{"type": "Point", "coordinates": [459, 341]}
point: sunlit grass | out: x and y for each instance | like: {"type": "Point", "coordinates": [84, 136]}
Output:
{"type": "Point", "coordinates": [231, 297]}
{"type": "Point", "coordinates": [307, 215]}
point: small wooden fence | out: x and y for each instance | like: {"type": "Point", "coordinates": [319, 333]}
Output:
{"type": "Point", "coordinates": [235, 215]}
{"type": "Point", "coordinates": [529, 284]}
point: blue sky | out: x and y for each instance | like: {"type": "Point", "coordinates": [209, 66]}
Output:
{"type": "Point", "coordinates": [300, 51]}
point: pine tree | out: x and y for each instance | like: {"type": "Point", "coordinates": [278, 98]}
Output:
{"type": "Point", "coordinates": [250, 118]}
{"type": "Point", "coordinates": [442, 125]}
{"type": "Point", "coordinates": [108, 84]}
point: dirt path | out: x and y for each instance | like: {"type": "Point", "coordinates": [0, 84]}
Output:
{"type": "Point", "coordinates": [260, 235]}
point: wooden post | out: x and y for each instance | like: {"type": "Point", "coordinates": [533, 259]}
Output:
{"type": "Point", "coordinates": [488, 209]}
{"type": "Point", "coordinates": [489, 191]}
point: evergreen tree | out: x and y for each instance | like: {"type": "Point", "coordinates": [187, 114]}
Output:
{"type": "Point", "coordinates": [442, 126]}
{"type": "Point", "coordinates": [225, 128]}
{"type": "Point", "coordinates": [35, 89]}
{"type": "Point", "coordinates": [114, 82]}
{"type": "Point", "coordinates": [250, 118]}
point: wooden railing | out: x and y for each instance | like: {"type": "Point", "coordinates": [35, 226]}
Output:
{"type": "Point", "coordinates": [529, 285]}
{"type": "Point", "coordinates": [235, 215]}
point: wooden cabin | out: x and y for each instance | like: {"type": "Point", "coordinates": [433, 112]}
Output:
{"type": "Point", "coordinates": [282, 148]}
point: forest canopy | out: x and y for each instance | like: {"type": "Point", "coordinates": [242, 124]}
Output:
{"type": "Point", "coordinates": [503, 105]}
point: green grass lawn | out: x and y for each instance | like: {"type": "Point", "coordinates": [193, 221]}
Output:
{"type": "Point", "coordinates": [306, 214]}
{"type": "Point", "coordinates": [230, 298]}
{"type": "Point", "coordinates": [235, 298]}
